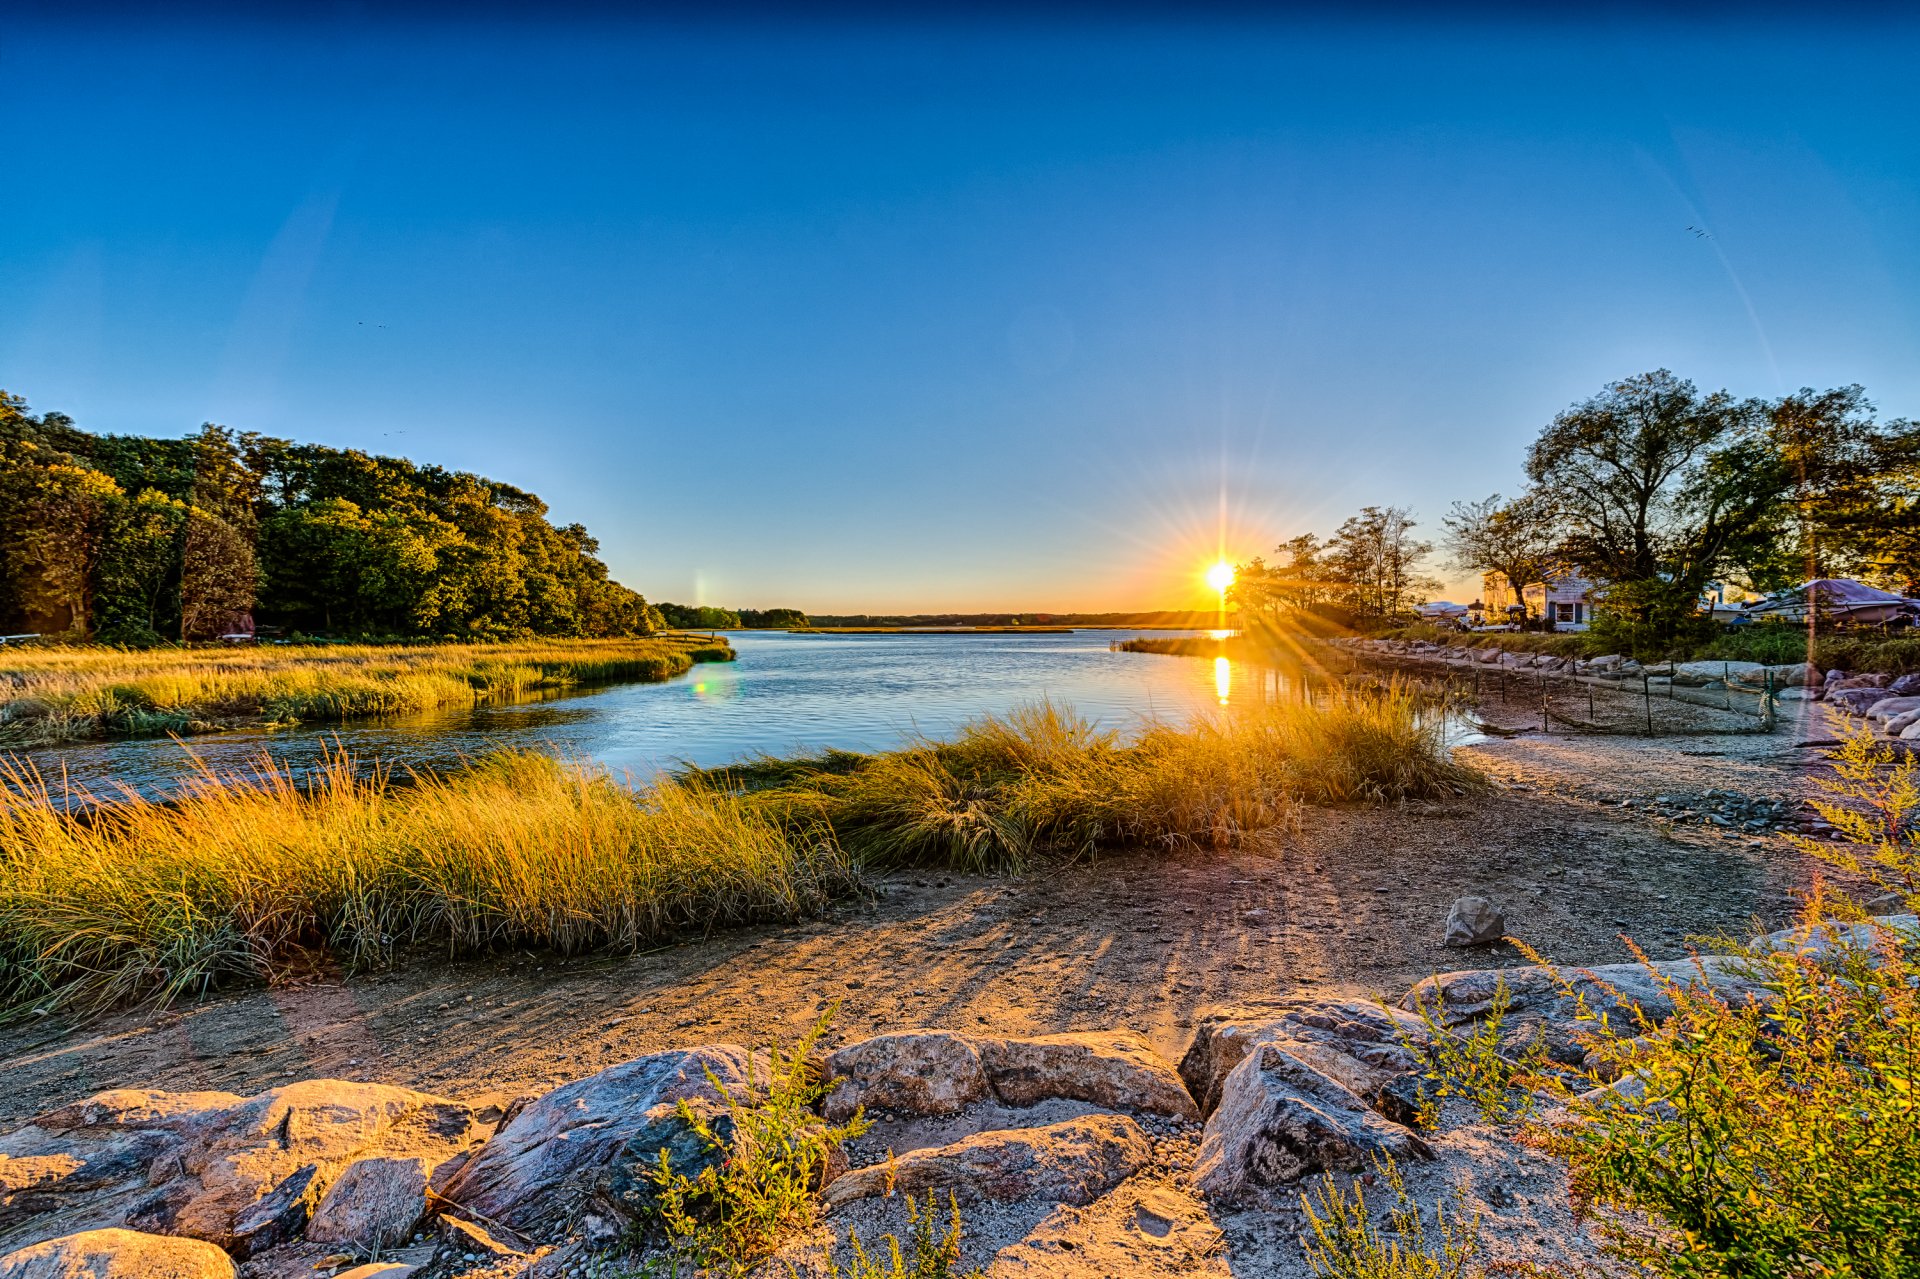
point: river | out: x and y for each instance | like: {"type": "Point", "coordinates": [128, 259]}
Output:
{"type": "Point", "coordinates": [786, 693]}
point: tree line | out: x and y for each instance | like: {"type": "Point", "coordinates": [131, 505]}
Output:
{"type": "Point", "coordinates": [134, 540]}
{"type": "Point", "coordinates": [1654, 490]}
{"type": "Point", "coordinates": [706, 617]}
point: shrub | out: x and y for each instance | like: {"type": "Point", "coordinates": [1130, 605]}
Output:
{"type": "Point", "coordinates": [774, 1152]}
{"type": "Point", "coordinates": [1776, 1135]}
{"type": "Point", "coordinates": [1408, 1244]}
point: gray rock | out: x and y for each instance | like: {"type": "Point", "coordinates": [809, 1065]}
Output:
{"type": "Point", "coordinates": [463, 1248]}
{"type": "Point", "coordinates": [1279, 1120]}
{"type": "Point", "coordinates": [1113, 1069]}
{"type": "Point", "coordinates": [280, 1215]}
{"type": "Point", "coordinates": [533, 1172]}
{"type": "Point", "coordinates": [117, 1254]}
{"type": "Point", "coordinates": [1906, 686]}
{"type": "Point", "coordinates": [916, 1072]}
{"type": "Point", "coordinates": [1474, 921]}
{"type": "Point", "coordinates": [1073, 1162]}
{"type": "Point", "coordinates": [1357, 1043]}
{"type": "Point", "coordinates": [374, 1203]}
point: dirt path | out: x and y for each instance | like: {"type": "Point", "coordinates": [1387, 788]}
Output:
{"type": "Point", "coordinates": [1351, 901]}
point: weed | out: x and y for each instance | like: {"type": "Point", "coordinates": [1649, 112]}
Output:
{"type": "Point", "coordinates": [773, 1153]}
{"type": "Point", "coordinates": [1412, 1245]}
{"type": "Point", "coordinates": [1477, 1066]}
{"type": "Point", "coordinates": [930, 1253]}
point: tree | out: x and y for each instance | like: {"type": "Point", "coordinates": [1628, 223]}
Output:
{"type": "Point", "coordinates": [139, 574]}
{"type": "Point", "coordinates": [56, 535]}
{"type": "Point", "coordinates": [1518, 540]}
{"type": "Point", "coordinates": [1375, 559]}
{"type": "Point", "coordinates": [1264, 593]}
{"type": "Point", "coordinates": [1657, 488]}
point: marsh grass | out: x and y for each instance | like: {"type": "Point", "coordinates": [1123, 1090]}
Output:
{"type": "Point", "coordinates": [257, 876]}
{"type": "Point", "coordinates": [69, 693]}
{"type": "Point", "coordinates": [1040, 782]}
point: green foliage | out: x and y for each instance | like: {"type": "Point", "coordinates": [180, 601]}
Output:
{"type": "Point", "coordinates": [1777, 1136]}
{"type": "Point", "coordinates": [774, 1152]}
{"type": "Point", "coordinates": [1410, 1244]}
{"type": "Point", "coordinates": [136, 540]}
{"type": "Point", "coordinates": [772, 619]}
{"type": "Point", "coordinates": [1478, 1066]}
{"type": "Point", "coordinates": [1873, 801]}
{"type": "Point", "coordinates": [699, 617]}
{"type": "Point", "coordinates": [930, 1252]}
{"type": "Point", "coordinates": [1368, 572]}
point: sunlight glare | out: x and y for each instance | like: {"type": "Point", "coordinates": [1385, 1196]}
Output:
{"type": "Point", "coordinates": [1222, 678]}
{"type": "Point", "coordinates": [1220, 576]}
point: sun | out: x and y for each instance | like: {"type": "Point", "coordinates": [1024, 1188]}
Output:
{"type": "Point", "coordinates": [1220, 576]}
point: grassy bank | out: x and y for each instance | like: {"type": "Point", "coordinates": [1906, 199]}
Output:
{"type": "Point", "coordinates": [1775, 645]}
{"type": "Point", "coordinates": [57, 693]}
{"type": "Point", "coordinates": [258, 877]}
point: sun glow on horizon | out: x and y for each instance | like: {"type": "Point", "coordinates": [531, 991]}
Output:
{"type": "Point", "coordinates": [1220, 576]}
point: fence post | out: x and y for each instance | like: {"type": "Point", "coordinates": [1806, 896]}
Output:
{"type": "Point", "coordinates": [1543, 701]}
{"type": "Point", "coordinates": [1646, 698]}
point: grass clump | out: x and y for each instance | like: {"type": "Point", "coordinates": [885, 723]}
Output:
{"type": "Point", "coordinates": [68, 693]}
{"type": "Point", "coordinates": [769, 1159]}
{"type": "Point", "coordinates": [1408, 1243]}
{"type": "Point", "coordinates": [1041, 782]}
{"type": "Point", "coordinates": [260, 877]}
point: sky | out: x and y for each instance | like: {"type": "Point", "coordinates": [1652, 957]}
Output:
{"type": "Point", "coordinates": [1035, 310]}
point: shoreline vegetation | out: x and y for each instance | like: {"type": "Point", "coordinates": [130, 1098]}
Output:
{"type": "Point", "coordinates": [258, 877]}
{"type": "Point", "coordinates": [64, 693]}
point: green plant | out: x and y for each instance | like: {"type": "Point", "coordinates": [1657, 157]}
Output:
{"type": "Point", "coordinates": [1477, 1066]}
{"type": "Point", "coordinates": [1412, 1244]}
{"type": "Point", "coordinates": [772, 1156]}
{"type": "Point", "coordinates": [1872, 800]}
{"type": "Point", "coordinates": [930, 1253]}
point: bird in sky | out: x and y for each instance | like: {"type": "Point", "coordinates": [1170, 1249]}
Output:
{"type": "Point", "coordinates": [1701, 232]}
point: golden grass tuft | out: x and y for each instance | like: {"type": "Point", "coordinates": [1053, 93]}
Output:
{"type": "Point", "coordinates": [52, 694]}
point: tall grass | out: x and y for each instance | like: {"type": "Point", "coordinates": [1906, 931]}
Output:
{"type": "Point", "coordinates": [53, 694]}
{"type": "Point", "coordinates": [254, 876]}
{"type": "Point", "coordinates": [1042, 782]}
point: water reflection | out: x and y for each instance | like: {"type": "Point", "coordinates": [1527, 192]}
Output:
{"type": "Point", "coordinates": [787, 693]}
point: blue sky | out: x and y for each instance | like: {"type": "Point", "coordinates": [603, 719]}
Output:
{"type": "Point", "coordinates": [1010, 313]}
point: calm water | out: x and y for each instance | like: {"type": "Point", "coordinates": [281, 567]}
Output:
{"type": "Point", "coordinates": [786, 693]}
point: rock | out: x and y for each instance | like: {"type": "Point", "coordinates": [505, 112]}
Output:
{"type": "Point", "coordinates": [627, 1188]}
{"type": "Point", "coordinates": [1474, 921]}
{"type": "Point", "coordinates": [1852, 683]}
{"type": "Point", "coordinates": [1906, 685]}
{"type": "Point", "coordinates": [1855, 700]}
{"type": "Point", "coordinates": [1705, 672]}
{"type": "Point", "coordinates": [1075, 1162]}
{"type": "Point", "coordinates": [378, 1270]}
{"type": "Point", "coordinates": [374, 1203]}
{"type": "Point", "coordinates": [117, 1254]}
{"type": "Point", "coordinates": [1113, 1069]}
{"type": "Point", "coordinates": [1899, 723]}
{"type": "Point", "coordinates": [532, 1172]}
{"type": "Point", "coordinates": [1820, 940]}
{"type": "Point", "coordinates": [916, 1072]}
{"type": "Point", "coordinates": [1910, 733]}
{"type": "Point", "coordinates": [1280, 1119]}
{"type": "Point", "coordinates": [463, 1247]}
{"type": "Point", "coordinates": [1798, 694]}
{"type": "Point", "coordinates": [1359, 1044]}
{"type": "Point", "coordinates": [1139, 1231]}
{"type": "Point", "coordinates": [1606, 663]}
{"type": "Point", "coordinates": [279, 1216]}
{"type": "Point", "coordinates": [192, 1164]}
{"type": "Point", "coordinates": [1888, 707]}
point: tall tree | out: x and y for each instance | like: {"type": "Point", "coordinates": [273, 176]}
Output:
{"type": "Point", "coordinates": [1376, 559]}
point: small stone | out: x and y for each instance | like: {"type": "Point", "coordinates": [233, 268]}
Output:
{"type": "Point", "coordinates": [1474, 921]}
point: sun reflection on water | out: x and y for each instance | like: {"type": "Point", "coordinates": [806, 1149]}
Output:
{"type": "Point", "coordinates": [1222, 678]}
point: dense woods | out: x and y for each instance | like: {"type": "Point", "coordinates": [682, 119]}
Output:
{"type": "Point", "coordinates": [134, 540]}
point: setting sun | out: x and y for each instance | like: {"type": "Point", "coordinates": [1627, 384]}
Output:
{"type": "Point", "coordinates": [1220, 576]}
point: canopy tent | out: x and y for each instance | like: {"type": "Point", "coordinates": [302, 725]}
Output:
{"type": "Point", "coordinates": [1442, 608]}
{"type": "Point", "coordinates": [1839, 597]}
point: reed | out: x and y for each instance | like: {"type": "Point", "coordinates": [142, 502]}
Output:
{"type": "Point", "coordinates": [256, 876]}
{"type": "Point", "coordinates": [57, 693]}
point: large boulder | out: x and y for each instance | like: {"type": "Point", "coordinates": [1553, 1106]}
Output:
{"type": "Point", "coordinates": [209, 1165]}
{"type": "Point", "coordinates": [1359, 1044]}
{"type": "Point", "coordinates": [1905, 686]}
{"type": "Point", "coordinates": [1889, 707]}
{"type": "Point", "coordinates": [1112, 1069]}
{"type": "Point", "coordinates": [1279, 1120]}
{"type": "Point", "coordinates": [1075, 1161]}
{"type": "Point", "coordinates": [533, 1172]}
{"type": "Point", "coordinates": [1707, 672]}
{"type": "Point", "coordinates": [918, 1072]}
{"type": "Point", "coordinates": [117, 1254]}
{"type": "Point", "coordinates": [1855, 700]}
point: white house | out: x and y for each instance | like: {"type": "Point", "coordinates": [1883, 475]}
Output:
{"type": "Point", "coordinates": [1567, 601]}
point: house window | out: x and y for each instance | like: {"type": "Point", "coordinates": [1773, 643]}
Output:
{"type": "Point", "coordinates": [1578, 609]}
